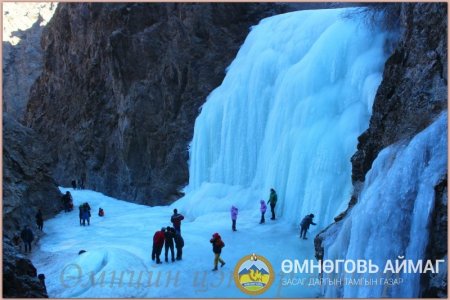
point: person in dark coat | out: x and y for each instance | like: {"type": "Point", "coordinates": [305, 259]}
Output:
{"type": "Point", "coordinates": [179, 244]}
{"type": "Point", "coordinates": [263, 209]}
{"type": "Point", "coordinates": [176, 220]}
{"type": "Point", "coordinates": [41, 278]}
{"type": "Point", "coordinates": [27, 237]}
{"type": "Point", "coordinates": [83, 180]}
{"type": "Point", "coordinates": [101, 212]}
{"type": "Point", "coordinates": [74, 184]}
{"type": "Point", "coordinates": [67, 201]}
{"type": "Point", "coordinates": [169, 236]}
{"type": "Point", "coordinates": [86, 214]}
{"type": "Point", "coordinates": [158, 243]}
{"type": "Point", "coordinates": [272, 201]}
{"type": "Point", "coordinates": [217, 245]}
{"type": "Point", "coordinates": [39, 220]}
{"type": "Point", "coordinates": [234, 214]}
{"type": "Point", "coordinates": [304, 225]}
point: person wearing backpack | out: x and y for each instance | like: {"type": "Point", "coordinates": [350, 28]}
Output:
{"type": "Point", "coordinates": [234, 213]}
{"type": "Point", "coordinates": [217, 245]}
{"type": "Point", "coordinates": [179, 244]}
{"type": "Point", "coordinates": [304, 225]}
{"type": "Point", "coordinates": [263, 209]}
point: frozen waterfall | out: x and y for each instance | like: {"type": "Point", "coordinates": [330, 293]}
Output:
{"type": "Point", "coordinates": [287, 116]}
{"type": "Point", "coordinates": [392, 216]}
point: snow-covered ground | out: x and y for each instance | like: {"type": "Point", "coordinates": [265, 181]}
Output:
{"type": "Point", "coordinates": [118, 258]}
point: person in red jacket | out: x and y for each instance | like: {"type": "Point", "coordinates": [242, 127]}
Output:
{"type": "Point", "coordinates": [176, 220]}
{"type": "Point", "coordinates": [158, 244]}
{"type": "Point", "coordinates": [217, 244]}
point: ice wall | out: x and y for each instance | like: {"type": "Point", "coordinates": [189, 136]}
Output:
{"type": "Point", "coordinates": [392, 216]}
{"type": "Point", "coordinates": [287, 116]}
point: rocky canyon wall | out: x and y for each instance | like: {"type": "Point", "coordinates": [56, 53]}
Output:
{"type": "Point", "coordinates": [22, 54]}
{"type": "Point", "coordinates": [122, 85]}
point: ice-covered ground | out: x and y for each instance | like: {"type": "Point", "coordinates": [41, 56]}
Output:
{"type": "Point", "coordinates": [119, 245]}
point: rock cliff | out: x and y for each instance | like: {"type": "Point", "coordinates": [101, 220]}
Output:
{"type": "Point", "coordinates": [22, 54]}
{"type": "Point", "coordinates": [27, 181]}
{"type": "Point", "coordinates": [27, 186]}
{"type": "Point", "coordinates": [122, 85]}
{"type": "Point", "coordinates": [20, 276]}
{"type": "Point", "coordinates": [414, 87]}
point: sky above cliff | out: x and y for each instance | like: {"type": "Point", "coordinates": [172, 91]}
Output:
{"type": "Point", "coordinates": [19, 16]}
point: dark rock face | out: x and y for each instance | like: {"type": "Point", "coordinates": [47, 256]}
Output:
{"type": "Point", "coordinates": [414, 87]}
{"type": "Point", "coordinates": [19, 275]}
{"type": "Point", "coordinates": [122, 85]}
{"type": "Point", "coordinates": [27, 181]}
{"type": "Point", "coordinates": [435, 285]}
{"type": "Point", "coordinates": [27, 186]}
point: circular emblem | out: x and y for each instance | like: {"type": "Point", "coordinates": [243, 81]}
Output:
{"type": "Point", "coordinates": [253, 274]}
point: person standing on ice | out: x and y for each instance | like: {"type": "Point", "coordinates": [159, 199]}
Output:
{"type": "Point", "coordinates": [86, 214]}
{"type": "Point", "coordinates": [304, 225]}
{"type": "Point", "coordinates": [158, 243]}
{"type": "Point", "coordinates": [67, 201]}
{"type": "Point", "coordinates": [169, 235]}
{"type": "Point", "coordinates": [39, 220]}
{"type": "Point", "coordinates": [27, 237]}
{"type": "Point", "coordinates": [217, 245]}
{"type": "Point", "coordinates": [176, 220]}
{"type": "Point", "coordinates": [234, 213]}
{"type": "Point", "coordinates": [179, 244]}
{"type": "Point", "coordinates": [272, 201]}
{"type": "Point", "coordinates": [263, 209]}
{"type": "Point", "coordinates": [101, 212]}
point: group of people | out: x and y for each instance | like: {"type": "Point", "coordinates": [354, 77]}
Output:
{"type": "Point", "coordinates": [85, 214]}
{"type": "Point", "coordinates": [263, 208]}
{"type": "Point", "coordinates": [27, 236]}
{"type": "Point", "coordinates": [78, 184]}
{"type": "Point", "coordinates": [167, 237]}
{"type": "Point", "coordinates": [84, 209]}
{"type": "Point", "coordinates": [304, 224]}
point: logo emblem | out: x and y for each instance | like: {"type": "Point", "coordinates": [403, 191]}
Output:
{"type": "Point", "coordinates": [253, 274]}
